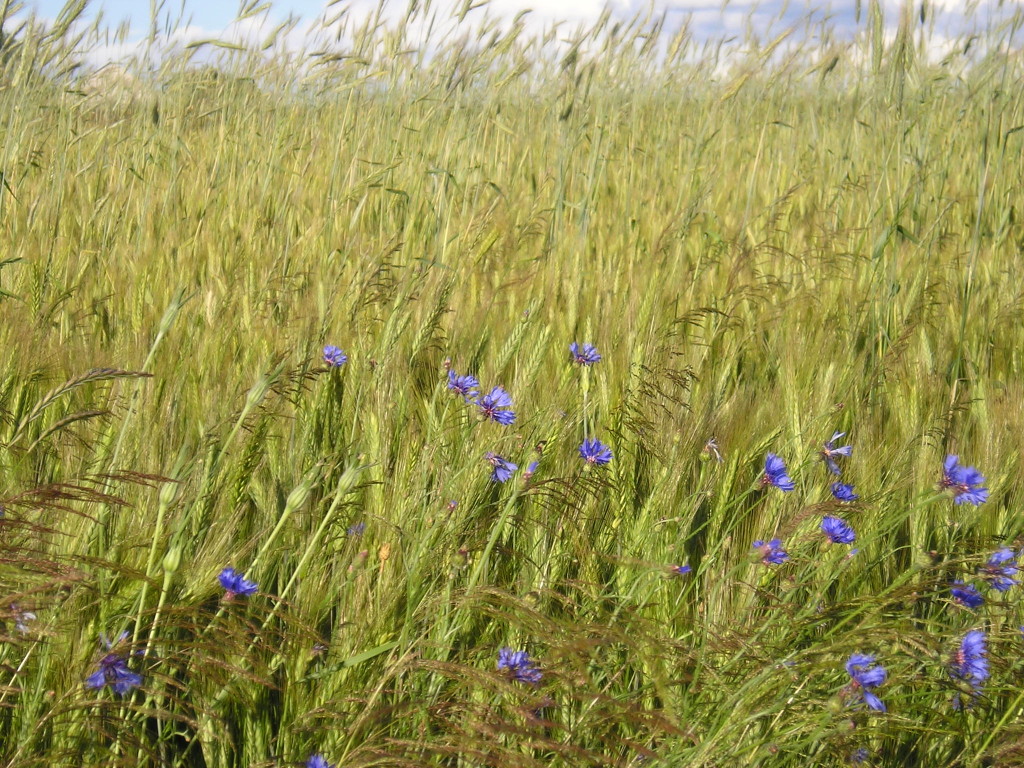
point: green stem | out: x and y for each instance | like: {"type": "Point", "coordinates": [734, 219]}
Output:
{"type": "Point", "coordinates": [295, 500]}
{"type": "Point", "coordinates": [345, 484]}
{"type": "Point", "coordinates": [1002, 721]}
{"type": "Point", "coordinates": [586, 393]}
{"type": "Point", "coordinates": [166, 498]}
{"type": "Point", "coordinates": [496, 531]}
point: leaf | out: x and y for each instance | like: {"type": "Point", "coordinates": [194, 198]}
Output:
{"type": "Point", "coordinates": [352, 661]}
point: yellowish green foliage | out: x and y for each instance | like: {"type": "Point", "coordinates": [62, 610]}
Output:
{"type": "Point", "coordinates": [765, 248]}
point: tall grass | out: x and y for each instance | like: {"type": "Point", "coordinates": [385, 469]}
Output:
{"type": "Point", "coordinates": [797, 237]}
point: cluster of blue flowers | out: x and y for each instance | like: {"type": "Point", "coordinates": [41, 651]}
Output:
{"type": "Point", "coordinates": [113, 668]}
{"type": "Point", "coordinates": [970, 664]}
{"type": "Point", "coordinates": [866, 674]}
{"type": "Point", "coordinates": [496, 406]}
{"type": "Point", "coordinates": [968, 668]}
{"type": "Point", "coordinates": [965, 482]}
{"type": "Point", "coordinates": [999, 573]}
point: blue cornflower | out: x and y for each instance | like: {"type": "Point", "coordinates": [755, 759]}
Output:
{"type": "Point", "coordinates": [530, 469]}
{"type": "Point", "coordinates": [356, 529]}
{"type": "Point", "coordinates": [771, 552]}
{"type": "Point", "coordinates": [235, 583]}
{"type": "Point", "coordinates": [775, 474]}
{"type": "Point", "coordinates": [681, 570]}
{"type": "Point", "coordinates": [21, 618]}
{"type": "Point", "coordinates": [829, 452]}
{"type": "Point", "coordinates": [518, 666]}
{"type": "Point", "coordinates": [711, 449]}
{"type": "Point", "coordinates": [334, 357]}
{"type": "Point", "coordinates": [966, 595]}
{"type": "Point", "coordinates": [463, 385]}
{"type": "Point", "coordinates": [493, 406]}
{"type": "Point", "coordinates": [318, 761]}
{"type": "Point", "coordinates": [859, 756]}
{"type": "Point", "coordinates": [502, 468]}
{"type": "Point", "coordinates": [593, 451]}
{"type": "Point", "coordinates": [114, 670]}
{"type": "Point", "coordinates": [970, 663]}
{"type": "Point", "coordinates": [587, 355]}
{"type": "Point", "coordinates": [838, 530]}
{"type": "Point", "coordinates": [999, 575]}
{"type": "Point", "coordinates": [865, 675]}
{"type": "Point", "coordinates": [844, 492]}
{"type": "Point", "coordinates": [965, 482]}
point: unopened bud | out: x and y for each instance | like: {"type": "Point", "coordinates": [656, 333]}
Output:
{"type": "Point", "coordinates": [168, 493]}
{"type": "Point", "coordinates": [835, 705]}
{"type": "Point", "coordinates": [257, 392]}
{"type": "Point", "coordinates": [298, 496]}
{"type": "Point", "coordinates": [172, 559]}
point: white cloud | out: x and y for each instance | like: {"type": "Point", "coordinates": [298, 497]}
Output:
{"type": "Point", "coordinates": [707, 19]}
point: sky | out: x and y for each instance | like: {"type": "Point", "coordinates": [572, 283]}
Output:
{"type": "Point", "coordinates": [210, 14]}
{"type": "Point", "coordinates": [218, 14]}
{"type": "Point", "coordinates": [710, 19]}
